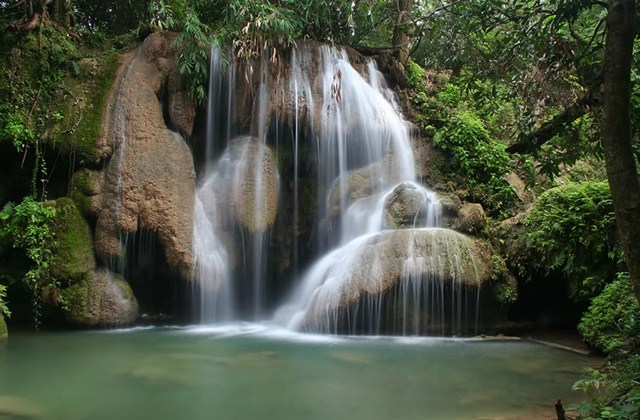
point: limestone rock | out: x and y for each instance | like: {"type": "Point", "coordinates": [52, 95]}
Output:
{"type": "Point", "coordinates": [471, 218]}
{"type": "Point", "coordinates": [376, 265]}
{"type": "Point", "coordinates": [149, 179]}
{"type": "Point", "coordinates": [104, 300]}
{"type": "Point", "coordinates": [409, 205]}
{"type": "Point", "coordinates": [255, 195]}
{"type": "Point", "coordinates": [73, 254]}
{"type": "Point", "coordinates": [358, 184]}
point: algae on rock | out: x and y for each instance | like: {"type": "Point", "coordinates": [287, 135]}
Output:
{"type": "Point", "coordinates": [73, 257]}
{"type": "Point", "coordinates": [104, 300]}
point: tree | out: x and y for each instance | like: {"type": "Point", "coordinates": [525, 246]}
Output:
{"type": "Point", "coordinates": [616, 132]}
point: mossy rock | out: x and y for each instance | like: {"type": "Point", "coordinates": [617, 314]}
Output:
{"type": "Point", "coordinates": [83, 106]}
{"type": "Point", "coordinates": [4, 332]}
{"type": "Point", "coordinates": [101, 300]}
{"type": "Point", "coordinates": [82, 189]}
{"type": "Point", "coordinates": [73, 255]}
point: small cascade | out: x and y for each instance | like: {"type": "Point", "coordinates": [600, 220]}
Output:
{"type": "Point", "coordinates": [348, 211]}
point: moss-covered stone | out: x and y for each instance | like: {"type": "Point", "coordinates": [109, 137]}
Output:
{"type": "Point", "coordinates": [4, 333]}
{"type": "Point", "coordinates": [83, 106]}
{"type": "Point", "coordinates": [101, 300]}
{"type": "Point", "coordinates": [73, 255]}
{"type": "Point", "coordinates": [82, 189]}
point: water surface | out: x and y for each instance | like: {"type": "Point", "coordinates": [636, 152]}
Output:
{"type": "Point", "coordinates": [254, 372]}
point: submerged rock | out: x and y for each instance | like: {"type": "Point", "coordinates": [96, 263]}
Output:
{"type": "Point", "coordinates": [104, 300]}
{"type": "Point", "coordinates": [12, 407]}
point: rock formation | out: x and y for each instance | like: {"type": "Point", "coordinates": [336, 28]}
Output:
{"type": "Point", "coordinates": [104, 300]}
{"type": "Point", "coordinates": [377, 264]}
{"type": "Point", "coordinates": [149, 179]}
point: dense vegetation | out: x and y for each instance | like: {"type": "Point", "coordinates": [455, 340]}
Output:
{"type": "Point", "coordinates": [502, 89]}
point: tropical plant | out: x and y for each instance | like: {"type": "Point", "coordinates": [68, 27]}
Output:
{"type": "Point", "coordinates": [581, 214]}
{"type": "Point", "coordinates": [27, 226]}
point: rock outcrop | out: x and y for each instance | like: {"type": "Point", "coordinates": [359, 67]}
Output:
{"type": "Point", "coordinates": [149, 179]}
{"type": "Point", "coordinates": [104, 300]}
{"type": "Point", "coordinates": [73, 258]}
{"type": "Point", "coordinates": [410, 205]}
{"type": "Point", "coordinates": [377, 264]}
{"type": "Point", "coordinates": [471, 219]}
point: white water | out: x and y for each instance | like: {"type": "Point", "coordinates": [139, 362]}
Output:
{"type": "Point", "coordinates": [359, 147]}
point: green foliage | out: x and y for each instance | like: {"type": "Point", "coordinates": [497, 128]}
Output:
{"type": "Point", "coordinates": [481, 159]}
{"type": "Point", "coordinates": [581, 215]}
{"type": "Point", "coordinates": [27, 226]}
{"type": "Point", "coordinates": [506, 288]}
{"type": "Point", "coordinates": [613, 395]}
{"type": "Point", "coordinates": [612, 321]}
{"type": "Point", "coordinates": [4, 309]}
{"type": "Point", "coordinates": [161, 15]}
{"type": "Point", "coordinates": [193, 60]}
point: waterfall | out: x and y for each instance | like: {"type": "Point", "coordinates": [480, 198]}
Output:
{"type": "Point", "coordinates": [334, 133]}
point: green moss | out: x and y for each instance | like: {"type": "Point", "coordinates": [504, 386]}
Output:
{"type": "Point", "coordinates": [73, 255]}
{"type": "Point", "coordinates": [84, 105]}
{"type": "Point", "coordinates": [82, 190]}
{"type": "Point", "coordinates": [75, 298]}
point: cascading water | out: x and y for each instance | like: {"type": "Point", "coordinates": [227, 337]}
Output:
{"type": "Point", "coordinates": [339, 135]}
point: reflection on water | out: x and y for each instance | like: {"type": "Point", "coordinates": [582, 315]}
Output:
{"type": "Point", "coordinates": [255, 372]}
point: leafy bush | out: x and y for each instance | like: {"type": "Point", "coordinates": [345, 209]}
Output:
{"type": "Point", "coordinates": [613, 395]}
{"type": "Point", "coordinates": [612, 321]}
{"type": "Point", "coordinates": [4, 309]}
{"type": "Point", "coordinates": [27, 226]}
{"type": "Point", "coordinates": [571, 229]}
{"type": "Point", "coordinates": [482, 159]}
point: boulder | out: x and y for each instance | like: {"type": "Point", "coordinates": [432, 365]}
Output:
{"type": "Point", "coordinates": [148, 181]}
{"type": "Point", "coordinates": [410, 205]}
{"type": "Point", "coordinates": [256, 188]}
{"type": "Point", "coordinates": [104, 300]}
{"type": "Point", "coordinates": [373, 266]}
{"type": "Point", "coordinates": [471, 219]}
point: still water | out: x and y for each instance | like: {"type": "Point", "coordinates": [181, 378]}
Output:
{"type": "Point", "coordinates": [256, 372]}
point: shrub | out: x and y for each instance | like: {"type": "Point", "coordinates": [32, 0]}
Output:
{"type": "Point", "coordinates": [612, 321]}
{"type": "Point", "coordinates": [571, 229]}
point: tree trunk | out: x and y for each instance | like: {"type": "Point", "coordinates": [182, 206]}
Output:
{"type": "Point", "coordinates": [401, 36]}
{"type": "Point", "coordinates": [616, 137]}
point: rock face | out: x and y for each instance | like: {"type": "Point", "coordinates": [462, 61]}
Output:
{"type": "Point", "coordinates": [149, 179]}
{"type": "Point", "coordinates": [105, 300]}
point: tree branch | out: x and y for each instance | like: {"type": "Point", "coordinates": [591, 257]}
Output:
{"type": "Point", "coordinates": [531, 142]}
